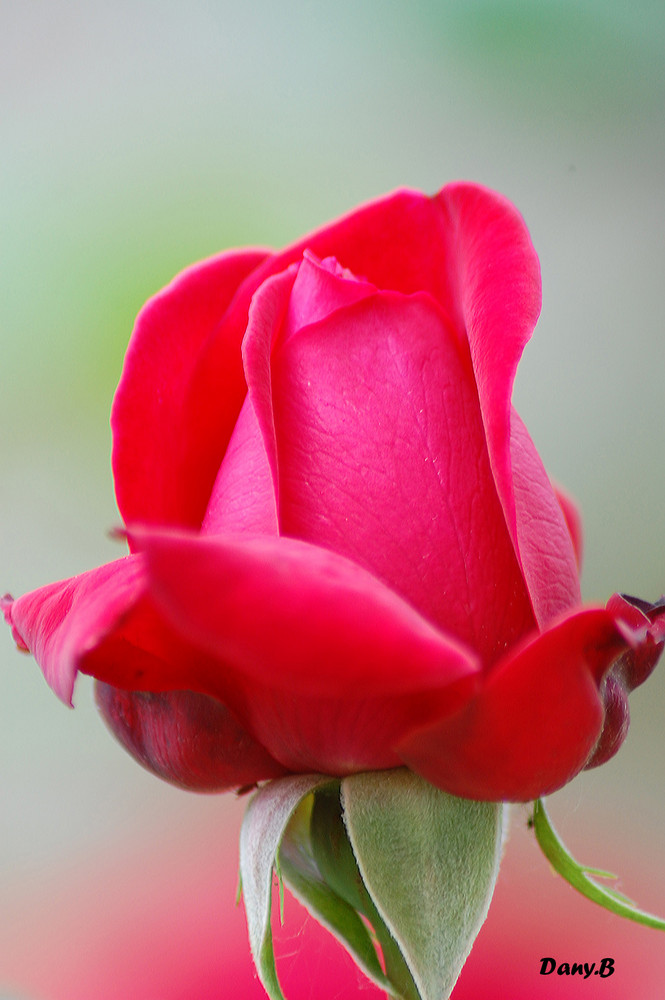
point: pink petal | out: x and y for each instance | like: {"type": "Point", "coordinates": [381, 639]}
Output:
{"type": "Point", "coordinates": [494, 281]}
{"type": "Point", "coordinates": [573, 519]}
{"type": "Point", "coordinates": [61, 622]}
{"type": "Point", "coordinates": [323, 665]}
{"type": "Point", "coordinates": [395, 242]}
{"type": "Point", "coordinates": [159, 419]}
{"type": "Point", "coordinates": [534, 722]}
{"type": "Point", "coordinates": [209, 394]}
{"type": "Point", "coordinates": [278, 308]}
{"type": "Point", "coordinates": [268, 311]}
{"type": "Point", "coordinates": [243, 497]}
{"type": "Point", "coordinates": [545, 543]}
{"type": "Point", "coordinates": [405, 241]}
{"type": "Point", "coordinates": [320, 288]}
{"type": "Point", "coordinates": [382, 458]}
{"type": "Point", "coordinates": [288, 613]}
{"type": "Point", "coordinates": [102, 624]}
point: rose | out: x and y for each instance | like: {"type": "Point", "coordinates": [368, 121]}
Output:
{"type": "Point", "coordinates": [346, 553]}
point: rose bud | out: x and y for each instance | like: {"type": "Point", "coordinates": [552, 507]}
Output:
{"type": "Point", "coordinates": [340, 529]}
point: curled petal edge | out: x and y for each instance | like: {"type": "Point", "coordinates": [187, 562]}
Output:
{"type": "Point", "coordinates": [551, 684]}
{"type": "Point", "coordinates": [272, 607]}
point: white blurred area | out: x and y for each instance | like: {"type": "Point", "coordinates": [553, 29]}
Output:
{"type": "Point", "coordinates": [136, 138]}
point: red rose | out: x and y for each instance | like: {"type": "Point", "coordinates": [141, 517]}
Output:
{"type": "Point", "coordinates": [341, 530]}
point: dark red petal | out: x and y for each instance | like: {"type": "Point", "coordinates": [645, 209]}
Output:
{"type": "Point", "coordinates": [186, 738]}
{"type": "Point", "coordinates": [103, 624]}
{"type": "Point", "coordinates": [340, 735]}
{"type": "Point", "coordinates": [647, 623]}
{"type": "Point", "coordinates": [533, 723]}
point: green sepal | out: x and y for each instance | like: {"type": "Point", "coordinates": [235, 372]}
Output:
{"type": "Point", "coordinates": [582, 877]}
{"type": "Point", "coordinates": [400, 872]}
{"type": "Point", "coordinates": [429, 861]}
{"type": "Point", "coordinates": [300, 865]}
{"type": "Point", "coordinates": [264, 823]}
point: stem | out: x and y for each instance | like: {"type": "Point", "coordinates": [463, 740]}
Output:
{"type": "Point", "coordinates": [579, 876]}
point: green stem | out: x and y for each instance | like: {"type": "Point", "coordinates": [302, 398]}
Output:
{"type": "Point", "coordinates": [579, 876]}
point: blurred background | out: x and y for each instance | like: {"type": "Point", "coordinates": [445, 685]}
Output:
{"type": "Point", "coordinates": [136, 138]}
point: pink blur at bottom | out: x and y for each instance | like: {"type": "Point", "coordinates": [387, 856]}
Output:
{"type": "Point", "coordinates": [157, 921]}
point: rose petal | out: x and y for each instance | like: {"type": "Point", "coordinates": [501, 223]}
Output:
{"type": "Point", "coordinates": [320, 288]}
{"type": "Point", "coordinates": [59, 623]}
{"type": "Point", "coordinates": [382, 457]}
{"type": "Point", "coordinates": [156, 420]}
{"type": "Point", "coordinates": [497, 296]}
{"type": "Point", "coordinates": [244, 494]}
{"type": "Point", "coordinates": [646, 624]}
{"type": "Point", "coordinates": [395, 242]}
{"type": "Point", "coordinates": [322, 665]}
{"type": "Point", "coordinates": [573, 519]}
{"type": "Point", "coordinates": [288, 613]}
{"type": "Point", "coordinates": [404, 241]}
{"type": "Point", "coordinates": [186, 738]}
{"type": "Point", "coordinates": [533, 723]}
{"type": "Point", "coordinates": [545, 544]}
{"type": "Point", "coordinates": [101, 623]}
{"type": "Point", "coordinates": [363, 241]}
{"type": "Point", "coordinates": [344, 734]}
{"type": "Point", "coordinates": [494, 278]}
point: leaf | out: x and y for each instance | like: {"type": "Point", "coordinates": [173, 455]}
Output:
{"type": "Point", "coordinates": [429, 862]}
{"type": "Point", "coordinates": [580, 876]}
{"type": "Point", "coordinates": [264, 823]}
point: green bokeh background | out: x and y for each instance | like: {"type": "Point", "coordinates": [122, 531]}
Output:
{"type": "Point", "coordinates": [138, 137]}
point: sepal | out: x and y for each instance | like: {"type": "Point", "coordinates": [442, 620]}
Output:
{"type": "Point", "coordinates": [399, 871]}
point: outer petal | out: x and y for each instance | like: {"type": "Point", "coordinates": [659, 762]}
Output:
{"type": "Point", "coordinates": [186, 738]}
{"type": "Point", "coordinates": [534, 722]}
{"type": "Point", "coordinates": [494, 287]}
{"type": "Point", "coordinates": [573, 519]}
{"type": "Point", "coordinates": [495, 277]}
{"type": "Point", "coordinates": [323, 665]}
{"type": "Point", "coordinates": [103, 624]}
{"type": "Point", "coordinates": [395, 242]}
{"type": "Point", "coordinates": [284, 612]}
{"type": "Point", "coordinates": [647, 622]}
{"type": "Point", "coordinates": [59, 623]}
{"type": "Point", "coordinates": [156, 420]}
{"type": "Point", "coordinates": [382, 457]}
{"type": "Point", "coordinates": [545, 542]}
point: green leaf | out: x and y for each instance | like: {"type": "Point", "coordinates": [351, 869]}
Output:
{"type": "Point", "coordinates": [429, 862]}
{"type": "Point", "coordinates": [264, 823]}
{"type": "Point", "coordinates": [580, 876]}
